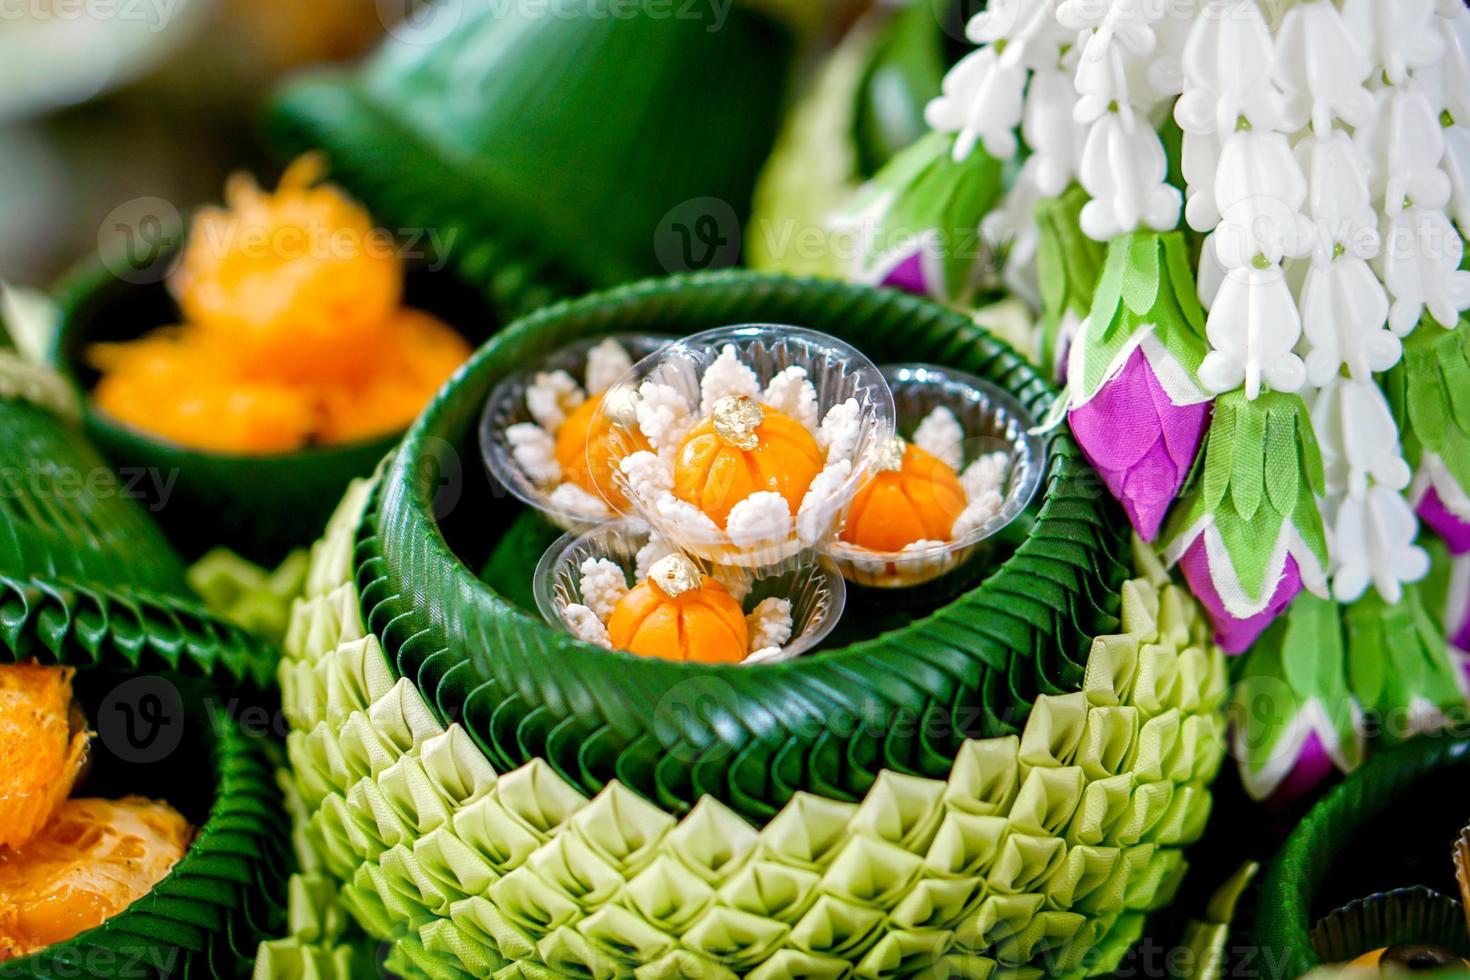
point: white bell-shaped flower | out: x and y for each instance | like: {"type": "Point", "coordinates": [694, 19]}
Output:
{"type": "Point", "coordinates": [1199, 162]}
{"type": "Point", "coordinates": [1165, 71]}
{"type": "Point", "coordinates": [1321, 68]}
{"type": "Point", "coordinates": [1457, 164]}
{"type": "Point", "coordinates": [1054, 136]}
{"type": "Point", "coordinates": [1454, 28]}
{"type": "Point", "coordinates": [981, 102]}
{"type": "Point", "coordinates": [1253, 326]}
{"type": "Point", "coordinates": [1110, 74]}
{"type": "Point", "coordinates": [1125, 171]}
{"type": "Point", "coordinates": [1260, 190]}
{"type": "Point", "coordinates": [1344, 317]}
{"type": "Point", "coordinates": [1399, 35]}
{"type": "Point", "coordinates": [1402, 147]}
{"type": "Point", "coordinates": [1228, 60]}
{"type": "Point", "coordinates": [1420, 265]}
{"type": "Point", "coordinates": [1338, 200]}
{"type": "Point", "coordinates": [1373, 543]}
{"type": "Point", "coordinates": [1358, 437]}
{"type": "Point", "coordinates": [1212, 273]}
{"type": "Point", "coordinates": [1029, 29]}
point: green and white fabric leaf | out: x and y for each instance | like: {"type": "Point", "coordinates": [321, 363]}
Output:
{"type": "Point", "coordinates": [1068, 266]}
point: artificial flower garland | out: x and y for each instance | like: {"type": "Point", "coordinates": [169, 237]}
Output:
{"type": "Point", "coordinates": [1245, 229]}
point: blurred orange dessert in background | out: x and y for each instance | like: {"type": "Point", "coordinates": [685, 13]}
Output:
{"type": "Point", "coordinates": [42, 748]}
{"type": "Point", "coordinates": [293, 333]}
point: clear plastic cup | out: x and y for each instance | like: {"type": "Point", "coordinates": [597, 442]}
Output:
{"type": "Point", "coordinates": [838, 374]}
{"type": "Point", "coordinates": [507, 406]}
{"type": "Point", "coordinates": [992, 420]}
{"type": "Point", "coordinates": [814, 586]}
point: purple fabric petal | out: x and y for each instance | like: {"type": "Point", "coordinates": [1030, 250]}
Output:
{"type": "Point", "coordinates": [1140, 442]}
{"type": "Point", "coordinates": [1313, 765]}
{"type": "Point", "coordinates": [1442, 521]}
{"type": "Point", "coordinates": [1236, 635]}
{"type": "Point", "coordinates": [908, 275]}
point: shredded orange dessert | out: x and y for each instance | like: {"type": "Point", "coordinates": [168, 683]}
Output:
{"type": "Point", "coordinates": [94, 860]}
{"type": "Point", "coordinates": [40, 752]}
{"type": "Point", "coordinates": [293, 331]}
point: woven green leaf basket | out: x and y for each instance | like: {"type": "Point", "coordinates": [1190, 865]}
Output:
{"type": "Point", "coordinates": [87, 580]}
{"type": "Point", "coordinates": [1000, 785]}
{"type": "Point", "coordinates": [519, 136]}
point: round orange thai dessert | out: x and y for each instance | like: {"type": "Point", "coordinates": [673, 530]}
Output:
{"type": "Point", "coordinates": [298, 282]}
{"type": "Point", "coordinates": [42, 748]}
{"type": "Point", "coordinates": [583, 453]}
{"type": "Point", "coordinates": [679, 614]}
{"type": "Point", "coordinates": [742, 448]}
{"type": "Point", "coordinates": [913, 496]}
{"type": "Point", "coordinates": [92, 861]}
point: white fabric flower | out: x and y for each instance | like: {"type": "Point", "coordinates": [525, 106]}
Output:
{"type": "Point", "coordinates": [1454, 28]}
{"type": "Point", "coordinates": [1373, 542]}
{"type": "Point", "coordinates": [585, 625]}
{"type": "Point", "coordinates": [1252, 327]}
{"type": "Point", "coordinates": [551, 397]}
{"type": "Point", "coordinates": [534, 451]}
{"type": "Point", "coordinates": [663, 415]}
{"type": "Point", "coordinates": [1054, 137]}
{"type": "Point", "coordinates": [1338, 199]}
{"type": "Point", "coordinates": [1358, 437]}
{"type": "Point", "coordinates": [1228, 59]}
{"type": "Point", "coordinates": [841, 430]}
{"type": "Point", "coordinates": [1321, 67]}
{"type": "Point", "coordinates": [940, 435]}
{"type": "Point", "coordinates": [1124, 169]}
{"type": "Point", "coordinates": [1260, 190]}
{"type": "Point", "coordinates": [1029, 29]}
{"type": "Point", "coordinates": [1199, 162]}
{"type": "Point", "coordinates": [769, 623]}
{"type": "Point", "coordinates": [762, 517]}
{"type": "Point", "coordinates": [1457, 165]}
{"type": "Point", "coordinates": [1345, 319]}
{"type": "Point", "coordinates": [606, 363]}
{"type": "Point", "coordinates": [726, 375]}
{"type": "Point", "coordinates": [792, 393]}
{"type": "Point", "coordinates": [1403, 146]}
{"type": "Point", "coordinates": [1400, 35]}
{"type": "Point", "coordinates": [603, 586]}
{"type": "Point", "coordinates": [980, 102]}
{"type": "Point", "coordinates": [570, 497]}
{"type": "Point", "coordinates": [1420, 266]}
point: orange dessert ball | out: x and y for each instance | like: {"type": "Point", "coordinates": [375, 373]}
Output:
{"type": "Point", "coordinates": [584, 455]}
{"type": "Point", "coordinates": [678, 614]}
{"type": "Point", "coordinates": [92, 861]}
{"type": "Point", "coordinates": [741, 449]}
{"type": "Point", "coordinates": [40, 752]}
{"type": "Point", "coordinates": [913, 497]}
{"type": "Point", "coordinates": [299, 283]}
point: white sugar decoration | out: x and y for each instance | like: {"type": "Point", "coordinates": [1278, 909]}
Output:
{"type": "Point", "coordinates": [923, 546]}
{"type": "Point", "coordinates": [841, 430]}
{"type": "Point", "coordinates": [987, 474]}
{"type": "Point", "coordinates": [977, 513]}
{"type": "Point", "coordinates": [551, 397]}
{"type": "Point", "coordinates": [791, 393]}
{"type": "Point", "coordinates": [649, 476]}
{"type": "Point", "coordinates": [534, 451]}
{"type": "Point", "coordinates": [768, 655]}
{"type": "Point", "coordinates": [570, 497]}
{"type": "Point", "coordinates": [763, 516]}
{"type": "Point", "coordinates": [606, 363]}
{"type": "Point", "coordinates": [770, 623]}
{"type": "Point", "coordinates": [941, 436]}
{"type": "Point", "coordinates": [736, 580]}
{"type": "Point", "coordinates": [683, 514]}
{"type": "Point", "coordinates": [726, 375]}
{"type": "Point", "coordinates": [585, 625]}
{"type": "Point", "coordinates": [648, 554]}
{"type": "Point", "coordinates": [813, 514]}
{"type": "Point", "coordinates": [663, 415]}
{"type": "Point", "coordinates": [603, 586]}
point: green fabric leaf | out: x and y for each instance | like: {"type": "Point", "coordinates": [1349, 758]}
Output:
{"type": "Point", "coordinates": [1068, 265]}
{"type": "Point", "coordinates": [1260, 464]}
{"type": "Point", "coordinates": [1144, 284]}
{"type": "Point", "coordinates": [1397, 656]}
{"type": "Point", "coordinates": [1429, 392]}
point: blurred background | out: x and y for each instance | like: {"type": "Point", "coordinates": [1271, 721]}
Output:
{"type": "Point", "coordinates": [105, 101]}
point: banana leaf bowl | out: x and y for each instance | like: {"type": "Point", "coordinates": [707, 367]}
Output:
{"type": "Point", "coordinates": [1003, 783]}
{"type": "Point", "coordinates": [263, 505]}
{"type": "Point", "coordinates": [1382, 838]}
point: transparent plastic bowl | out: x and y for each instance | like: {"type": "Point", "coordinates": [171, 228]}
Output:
{"type": "Point", "coordinates": [815, 586]}
{"type": "Point", "coordinates": [506, 407]}
{"type": "Point", "coordinates": [992, 420]}
{"type": "Point", "coordinates": [837, 372]}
